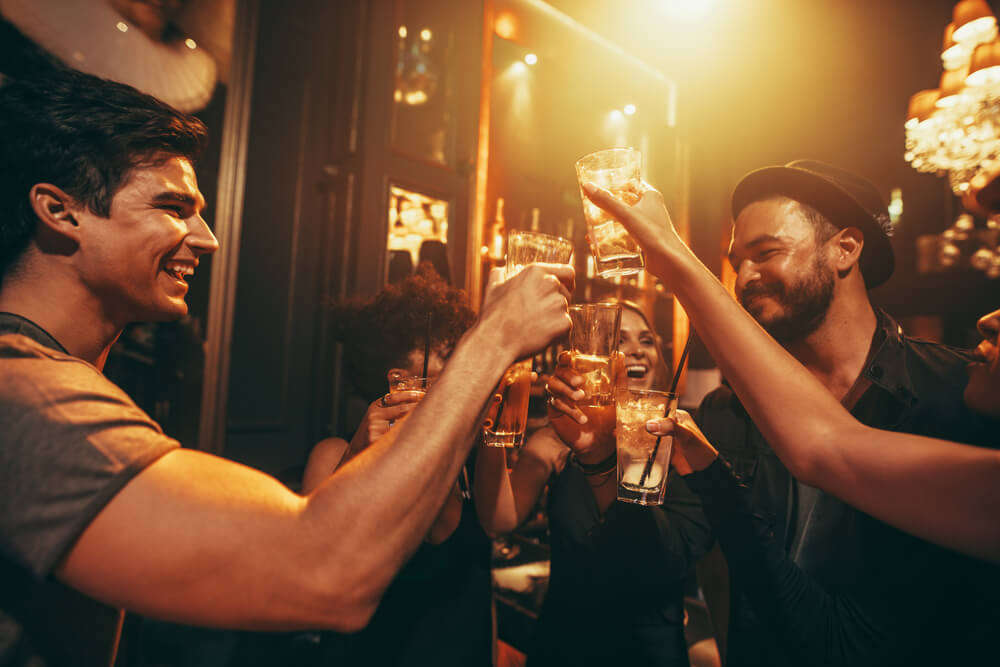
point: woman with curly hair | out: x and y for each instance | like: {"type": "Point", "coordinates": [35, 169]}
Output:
{"type": "Point", "coordinates": [439, 608]}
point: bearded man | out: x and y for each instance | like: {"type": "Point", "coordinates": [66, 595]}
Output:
{"type": "Point", "coordinates": [813, 580]}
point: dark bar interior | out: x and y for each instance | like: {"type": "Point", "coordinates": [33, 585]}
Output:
{"type": "Point", "coordinates": [499, 332]}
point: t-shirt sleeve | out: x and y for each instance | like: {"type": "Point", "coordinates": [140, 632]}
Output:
{"type": "Point", "coordinates": [69, 441]}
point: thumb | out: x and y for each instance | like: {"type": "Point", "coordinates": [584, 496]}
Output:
{"type": "Point", "coordinates": [662, 426]}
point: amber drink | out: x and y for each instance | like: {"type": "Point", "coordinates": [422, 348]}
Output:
{"type": "Point", "coordinates": [617, 170]}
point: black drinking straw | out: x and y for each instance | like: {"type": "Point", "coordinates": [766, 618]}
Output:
{"type": "Point", "coordinates": [673, 388]}
{"type": "Point", "coordinates": [427, 347]}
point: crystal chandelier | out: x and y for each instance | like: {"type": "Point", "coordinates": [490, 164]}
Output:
{"type": "Point", "coordinates": [954, 130]}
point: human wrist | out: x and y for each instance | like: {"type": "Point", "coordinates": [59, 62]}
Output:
{"type": "Point", "coordinates": [598, 467]}
{"type": "Point", "coordinates": [491, 346]}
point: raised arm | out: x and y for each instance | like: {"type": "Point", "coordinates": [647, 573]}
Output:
{"type": "Point", "coordinates": [201, 540]}
{"type": "Point", "coordinates": [943, 492]}
{"type": "Point", "coordinates": [504, 498]}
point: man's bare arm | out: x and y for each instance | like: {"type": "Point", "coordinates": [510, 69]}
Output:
{"type": "Point", "coordinates": [197, 539]}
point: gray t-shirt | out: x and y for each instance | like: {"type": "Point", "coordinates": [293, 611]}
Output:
{"type": "Point", "coordinates": [69, 441]}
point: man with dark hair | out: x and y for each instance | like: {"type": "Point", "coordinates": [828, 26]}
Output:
{"type": "Point", "coordinates": [813, 580]}
{"type": "Point", "coordinates": [100, 226]}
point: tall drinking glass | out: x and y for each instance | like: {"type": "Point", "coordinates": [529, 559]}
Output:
{"type": "Point", "coordinates": [643, 458]}
{"type": "Point", "coordinates": [508, 414]}
{"type": "Point", "coordinates": [593, 341]}
{"type": "Point", "coordinates": [615, 252]}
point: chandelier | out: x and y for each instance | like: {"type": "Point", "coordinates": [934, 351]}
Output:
{"type": "Point", "coordinates": [954, 130]}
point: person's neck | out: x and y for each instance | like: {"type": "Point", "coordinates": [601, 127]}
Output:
{"type": "Point", "coordinates": [67, 310]}
{"type": "Point", "coordinates": [836, 351]}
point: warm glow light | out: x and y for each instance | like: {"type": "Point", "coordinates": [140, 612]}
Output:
{"type": "Point", "coordinates": [402, 31]}
{"type": "Point", "coordinates": [425, 34]}
{"type": "Point", "coordinates": [190, 43]}
{"type": "Point", "coordinates": [976, 31]}
{"type": "Point", "coordinates": [518, 68]}
{"type": "Point", "coordinates": [415, 97]}
{"type": "Point", "coordinates": [505, 26]}
{"type": "Point", "coordinates": [531, 59]}
{"type": "Point", "coordinates": [122, 26]}
{"type": "Point", "coordinates": [616, 116]}
{"type": "Point", "coordinates": [686, 10]}
{"type": "Point", "coordinates": [629, 109]}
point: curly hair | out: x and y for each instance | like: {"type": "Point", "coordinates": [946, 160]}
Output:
{"type": "Point", "coordinates": [380, 333]}
{"type": "Point", "coordinates": [84, 134]}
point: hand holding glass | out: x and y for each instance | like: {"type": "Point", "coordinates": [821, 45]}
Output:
{"type": "Point", "coordinates": [507, 416]}
{"type": "Point", "coordinates": [615, 252]}
{"type": "Point", "coordinates": [643, 458]}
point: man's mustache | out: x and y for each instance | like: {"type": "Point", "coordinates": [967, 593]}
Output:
{"type": "Point", "coordinates": [760, 289]}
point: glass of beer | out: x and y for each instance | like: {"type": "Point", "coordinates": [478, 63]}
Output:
{"type": "Point", "coordinates": [615, 252]}
{"type": "Point", "coordinates": [507, 415]}
{"type": "Point", "coordinates": [593, 341]}
{"type": "Point", "coordinates": [643, 458]}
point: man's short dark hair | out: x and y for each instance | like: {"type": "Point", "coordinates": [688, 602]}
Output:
{"type": "Point", "coordinates": [85, 135]}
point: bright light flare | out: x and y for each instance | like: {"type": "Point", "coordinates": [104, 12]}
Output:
{"type": "Point", "coordinates": [531, 59]}
{"type": "Point", "coordinates": [505, 25]}
{"type": "Point", "coordinates": [686, 10]}
{"type": "Point", "coordinates": [426, 34]}
{"type": "Point", "coordinates": [629, 109]}
{"type": "Point", "coordinates": [402, 32]}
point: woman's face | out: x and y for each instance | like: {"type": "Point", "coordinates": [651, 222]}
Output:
{"type": "Point", "coordinates": [415, 362]}
{"type": "Point", "coordinates": [982, 394]}
{"type": "Point", "coordinates": [638, 344]}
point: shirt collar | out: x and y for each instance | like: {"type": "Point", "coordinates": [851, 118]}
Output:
{"type": "Point", "coordinates": [14, 323]}
{"type": "Point", "coordinates": [886, 366]}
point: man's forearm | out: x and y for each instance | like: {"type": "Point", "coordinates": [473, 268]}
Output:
{"type": "Point", "coordinates": [381, 504]}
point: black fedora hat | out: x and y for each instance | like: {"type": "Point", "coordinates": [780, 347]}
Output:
{"type": "Point", "coordinates": [845, 199]}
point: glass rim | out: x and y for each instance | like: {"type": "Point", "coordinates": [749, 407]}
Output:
{"type": "Point", "coordinates": [650, 393]}
{"type": "Point", "coordinates": [607, 151]}
{"type": "Point", "coordinates": [537, 235]}
{"type": "Point", "coordinates": [595, 306]}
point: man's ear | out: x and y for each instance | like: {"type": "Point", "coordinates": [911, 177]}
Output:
{"type": "Point", "coordinates": [847, 246]}
{"type": "Point", "coordinates": [54, 209]}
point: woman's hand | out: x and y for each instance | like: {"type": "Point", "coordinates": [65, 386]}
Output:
{"type": "Point", "coordinates": [381, 416]}
{"type": "Point", "coordinates": [691, 451]}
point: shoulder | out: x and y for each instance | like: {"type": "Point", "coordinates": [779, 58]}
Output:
{"type": "Point", "coordinates": [36, 380]}
{"type": "Point", "coordinates": [934, 368]}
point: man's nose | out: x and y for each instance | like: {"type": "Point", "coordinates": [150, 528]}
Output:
{"type": "Point", "coordinates": [746, 273]}
{"type": "Point", "coordinates": [201, 239]}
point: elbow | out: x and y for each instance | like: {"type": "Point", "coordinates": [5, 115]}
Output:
{"type": "Point", "coordinates": [349, 591]}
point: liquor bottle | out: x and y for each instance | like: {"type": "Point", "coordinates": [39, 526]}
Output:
{"type": "Point", "coordinates": [498, 234]}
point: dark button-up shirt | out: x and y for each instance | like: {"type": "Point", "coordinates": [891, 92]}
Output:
{"type": "Point", "coordinates": [843, 588]}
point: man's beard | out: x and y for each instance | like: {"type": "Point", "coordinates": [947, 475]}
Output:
{"type": "Point", "coordinates": [805, 303]}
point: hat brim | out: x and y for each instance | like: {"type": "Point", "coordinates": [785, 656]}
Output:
{"type": "Point", "coordinates": [839, 206]}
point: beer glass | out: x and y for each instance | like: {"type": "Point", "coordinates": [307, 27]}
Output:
{"type": "Point", "coordinates": [643, 458]}
{"type": "Point", "coordinates": [507, 415]}
{"type": "Point", "coordinates": [615, 252]}
{"type": "Point", "coordinates": [593, 341]}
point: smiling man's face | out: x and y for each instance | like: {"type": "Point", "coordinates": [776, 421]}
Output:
{"type": "Point", "coordinates": [783, 278]}
{"type": "Point", "coordinates": [137, 261]}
